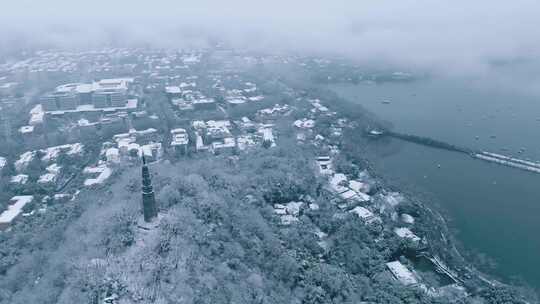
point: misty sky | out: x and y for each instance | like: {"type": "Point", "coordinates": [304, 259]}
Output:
{"type": "Point", "coordinates": [451, 35]}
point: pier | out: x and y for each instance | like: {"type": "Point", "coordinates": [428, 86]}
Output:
{"type": "Point", "coordinates": [426, 141]}
{"type": "Point", "coordinates": [496, 158]}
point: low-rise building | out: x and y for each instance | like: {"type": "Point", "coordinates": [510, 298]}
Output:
{"type": "Point", "coordinates": [19, 179]}
{"type": "Point", "coordinates": [179, 140]}
{"type": "Point", "coordinates": [304, 123]}
{"type": "Point", "coordinates": [364, 214]}
{"type": "Point", "coordinates": [152, 151]}
{"type": "Point", "coordinates": [289, 212]}
{"type": "Point", "coordinates": [50, 178]}
{"type": "Point", "coordinates": [406, 233]}
{"type": "Point", "coordinates": [407, 218]}
{"type": "Point", "coordinates": [204, 104]}
{"type": "Point", "coordinates": [24, 160]}
{"type": "Point", "coordinates": [324, 164]}
{"type": "Point", "coordinates": [47, 179]}
{"type": "Point", "coordinates": [227, 145]}
{"type": "Point", "coordinates": [37, 115]}
{"type": "Point", "coordinates": [101, 173]}
{"type": "Point", "coordinates": [3, 163]}
{"type": "Point", "coordinates": [15, 207]}
{"type": "Point", "coordinates": [173, 92]}
{"type": "Point", "coordinates": [26, 130]}
{"type": "Point", "coordinates": [113, 156]}
{"type": "Point", "coordinates": [273, 112]}
{"type": "Point", "coordinates": [401, 273]}
{"type": "Point", "coordinates": [268, 136]}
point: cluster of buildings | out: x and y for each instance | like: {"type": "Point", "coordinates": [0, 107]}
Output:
{"type": "Point", "coordinates": [289, 213]}
{"type": "Point", "coordinates": [131, 146]}
{"type": "Point", "coordinates": [179, 140]}
{"type": "Point", "coordinates": [240, 96]}
{"type": "Point", "coordinates": [214, 136]}
{"type": "Point", "coordinates": [189, 96]}
{"type": "Point", "coordinates": [359, 196]}
{"type": "Point", "coordinates": [99, 95]}
{"type": "Point", "coordinates": [49, 158]}
{"type": "Point", "coordinates": [219, 136]}
{"type": "Point", "coordinates": [109, 109]}
{"type": "Point", "coordinates": [85, 110]}
{"type": "Point", "coordinates": [185, 97]}
{"type": "Point", "coordinates": [53, 64]}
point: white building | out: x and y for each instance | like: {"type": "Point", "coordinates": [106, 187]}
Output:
{"type": "Point", "coordinates": [51, 153]}
{"type": "Point", "coordinates": [47, 179]}
{"type": "Point", "coordinates": [102, 95]}
{"type": "Point", "coordinates": [15, 207]}
{"type": "Point", "coordinates": [407, 218]}
{"type": "Point", "coordinates": [406, 233]}
{"type": "Point", "coordinates": [24, 160]}
{"type": "Point", "coordinates": [325, 165]}
{"type": "Point", "coordinates": [288, 213]}
{"type": "Point", "coordinates": [173, 90]}
{"type": "Point", "coordinates": [20, 179]}
{"type": "Point", "coordinates": [152, 151]}
{"type": "Point", "coordinates": [101, 173]}
{"type": "Point", "coordinates": [358, 186]}
{"type": "Point", "coordinates": [304, 123]}
{"type": "Point", "coordinates": [113, 156]}
{"type": "Point", "coordinates": [268, 136]}
{"type": "Point", "coordinates": [3, 163]}
{"type": "Point", "coordinates": [204, 104]}
{"type": "Point", "coordinates": [364, 214]}
{"type": "Point", "coordinates": [228, 144]}
{"type": "Point", "coordinates": [276, 110]}
{"type": "Point", "coordinates": [25, 130]}
{"type": "Point", "coordinates": [179, 140]}
{"type": "Point", "coordinates": [401, 273]}
{"type": "Point", "coordinates": [338, 181]}
{"type": "Point", "coordinates": [36, 115]}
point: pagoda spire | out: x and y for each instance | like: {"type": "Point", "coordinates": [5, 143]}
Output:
{"type": "Point", "coordinates": [149, 206]}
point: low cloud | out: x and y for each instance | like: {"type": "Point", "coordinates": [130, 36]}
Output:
{"type": "Point", "coordinates": [460, 36]}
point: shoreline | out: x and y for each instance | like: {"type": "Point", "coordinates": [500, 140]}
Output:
{"type": "Point", "coordinates": [469, 256]}
{"type": "Point", "coordinates": [438, 214]}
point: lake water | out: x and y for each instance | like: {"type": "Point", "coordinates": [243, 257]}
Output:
{"type": "Point", "coordinates": [495, 209]}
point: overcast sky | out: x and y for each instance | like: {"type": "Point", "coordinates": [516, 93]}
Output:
{"type": "Point", "coordinates": [450, 35]}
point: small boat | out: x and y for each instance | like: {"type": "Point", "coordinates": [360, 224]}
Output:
{"type": "Point", "coordinates": [375, 133]}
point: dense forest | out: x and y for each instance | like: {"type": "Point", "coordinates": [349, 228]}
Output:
{"type": "Point", "coordinates": [218, 240]}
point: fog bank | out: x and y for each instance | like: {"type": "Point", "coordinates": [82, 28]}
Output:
{"type": "Point", "coordinates": [452, 36]}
